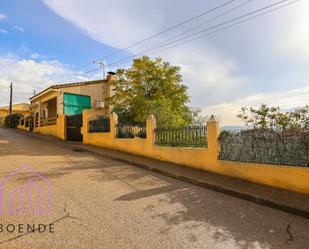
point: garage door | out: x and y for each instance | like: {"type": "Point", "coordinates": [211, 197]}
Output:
{"type": "Point", "coordinates": [75, 104]}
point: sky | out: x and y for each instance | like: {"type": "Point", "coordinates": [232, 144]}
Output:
{"type": "Point", "coordinates": [264, 60]}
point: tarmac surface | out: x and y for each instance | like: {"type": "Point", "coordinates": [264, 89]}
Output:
{"type": "Point", "coordinates": [99, 202]}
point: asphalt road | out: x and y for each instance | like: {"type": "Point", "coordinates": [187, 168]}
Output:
{"type": "Point", "coordinates": [101, 203]}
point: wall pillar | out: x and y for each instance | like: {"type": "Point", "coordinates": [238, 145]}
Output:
{"type": "Point", "coordinates": [113, 124]}
{"type": "Point", "coordinates": [62, 127]}
{"type": "Point", "coordinates": [85, 128]}
{"type": "Point", "coordinates": [150, 129]}
{"type": "Point", "coordinates": [213, 132]}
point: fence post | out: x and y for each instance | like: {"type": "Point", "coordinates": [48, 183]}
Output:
{"type": "Point", "coordinates": [150, 129]}
{"type": "Point", "coordinates": [213, 132]}
{"type": "Point", "coordinates": [113, 124]}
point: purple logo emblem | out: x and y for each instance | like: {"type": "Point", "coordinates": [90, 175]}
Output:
{"type": "Point", "coordinates": [25, 191]}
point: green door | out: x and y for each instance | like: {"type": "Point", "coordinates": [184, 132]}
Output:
{"type": "Point", "coordinates": [75, 104]}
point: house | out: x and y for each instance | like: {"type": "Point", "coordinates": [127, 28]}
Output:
{"type": "Point", "coordinates": [71, 98]}
{"type": "Point", "coordinates": [61, 106]}
{"type": "Point", "coordinates": [21, 108]}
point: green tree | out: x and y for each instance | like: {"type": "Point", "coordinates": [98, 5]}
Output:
{"type": "Point", "coordinates": [272, 118]}
{"type": "Point", "coordinates": [151, 87]}
{"type": "Point", "coordinates": [197, 118]}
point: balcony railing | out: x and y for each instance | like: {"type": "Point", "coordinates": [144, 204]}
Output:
{"type": "Point", "coordinates": [48, 121]}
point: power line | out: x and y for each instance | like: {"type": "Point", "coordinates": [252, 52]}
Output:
{"type": "Point", "coordinates": [208, 21]}
{"type": "Point", "coordinates": [168, 42]}
{"type": "Point", "coordinates": [63, 74]}
{"type": "Point", "coordinates": [155, 35]}
{"type": "Point", "coordinates": [81, 74]}
{"type": "Point", "coordinates": [169, 29]}
{"type": "Point", "coordinates": [202, 24]}
{"type": "Point", "coordinates": [10, 107]}
{"type": "Point", "coordinates": [186, 40]}
{"type": "Point", "coordinates": [91, 71]}
{"type": "Point", "coordinates": [227, 27]}
{"type": "Point", "coordinates": [70, 75]}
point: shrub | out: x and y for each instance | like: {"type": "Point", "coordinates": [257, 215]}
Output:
{"type": "Point", "coordinates": [15, 118]}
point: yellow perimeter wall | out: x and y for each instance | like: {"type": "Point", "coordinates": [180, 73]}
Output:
{"type": "Point", "coordinates": [22, 127]}
{"type": "Point", "coordinates": [284, 177]}
{"type": "Point", "coordinates": [57, 130]}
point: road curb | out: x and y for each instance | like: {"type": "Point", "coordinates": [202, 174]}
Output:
{"type": "Point", "coordinates": [241, 195]}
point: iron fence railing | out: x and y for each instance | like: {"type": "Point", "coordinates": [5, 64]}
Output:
{"type": "Point", "coordinates": [131, 130]}
{"type": "Point", "coordinates": [194, 136]}
{"type": "Point", "coordinates": [99, 125]}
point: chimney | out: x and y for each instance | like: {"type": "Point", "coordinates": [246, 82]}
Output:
{"type": "Point", "coordinates": [109, 89]}
{"type": "Point", "coordinates": [111, 76]}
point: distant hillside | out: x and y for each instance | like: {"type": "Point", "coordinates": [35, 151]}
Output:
{"type": "Point", "coordinates": [231, 127]}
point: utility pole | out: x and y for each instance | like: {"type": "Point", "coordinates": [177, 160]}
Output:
{"type": "Point", "coordinates": [11, 97]}
{"type": "Point", "coordinates": [103, 65]}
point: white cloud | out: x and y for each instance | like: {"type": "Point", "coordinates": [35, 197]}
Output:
{"type": "Point", "coordinates": [210, 77]}
{"type": "Point", "coordinates": [220, 71]}
{"type": "Point", "coordinates": [286, 100]}
{"type": "Point", "coordinates": [29, 75]}
{"type": "Point", "coordinates": [3, 31]}
{"type": "Point", "coordinates": [34, 56]}
{"type": "Point", "coordinates": [294, 38]}
{"type": "Point", "coordinates": [18, 28]}
{"type": "Point", "coordinates": [109, 21]}
{"type": "Point", "coordinates": [206, 72]}
{"type": "Point", "coordinates": [3, 17]}
{"type": "Point", "coordinates": [37, 56]}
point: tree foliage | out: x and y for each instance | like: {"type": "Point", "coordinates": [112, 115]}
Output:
{"type": "Point", "coordinates": [197, 118]}
{"type": "Point", "coordinates": [272, 118]}
{"type": "Point", "coordinates": [151, 87]}
{"type": "Point", "coordinates": [15, 118]}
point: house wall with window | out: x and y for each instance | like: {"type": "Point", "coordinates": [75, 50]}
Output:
{"type": "Point", "coordinates": [22, 109]}
{"type": "Point", "coordinates": [95, 93]}
{"type": "Point", "coordinates": [69, 99]}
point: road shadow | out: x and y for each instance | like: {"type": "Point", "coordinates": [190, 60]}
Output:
{"type": "Point", "coordinates": [228, 218]}
{"type": "Point", "coordinates": [224, 217]}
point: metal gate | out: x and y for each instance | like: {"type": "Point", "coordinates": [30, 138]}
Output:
{"type": "Point", "coordinates": [74, 124]}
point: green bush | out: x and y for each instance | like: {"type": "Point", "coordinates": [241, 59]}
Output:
{"type": "Point", "coordinates": [13, 121]}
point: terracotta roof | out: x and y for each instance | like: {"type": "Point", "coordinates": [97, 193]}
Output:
{"type": "Point", "coordinates": [83, 83]}
{"type": "Point", "coordinates": [17, 107]}
{"type": "Point", "coordinates": [75, 84]}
